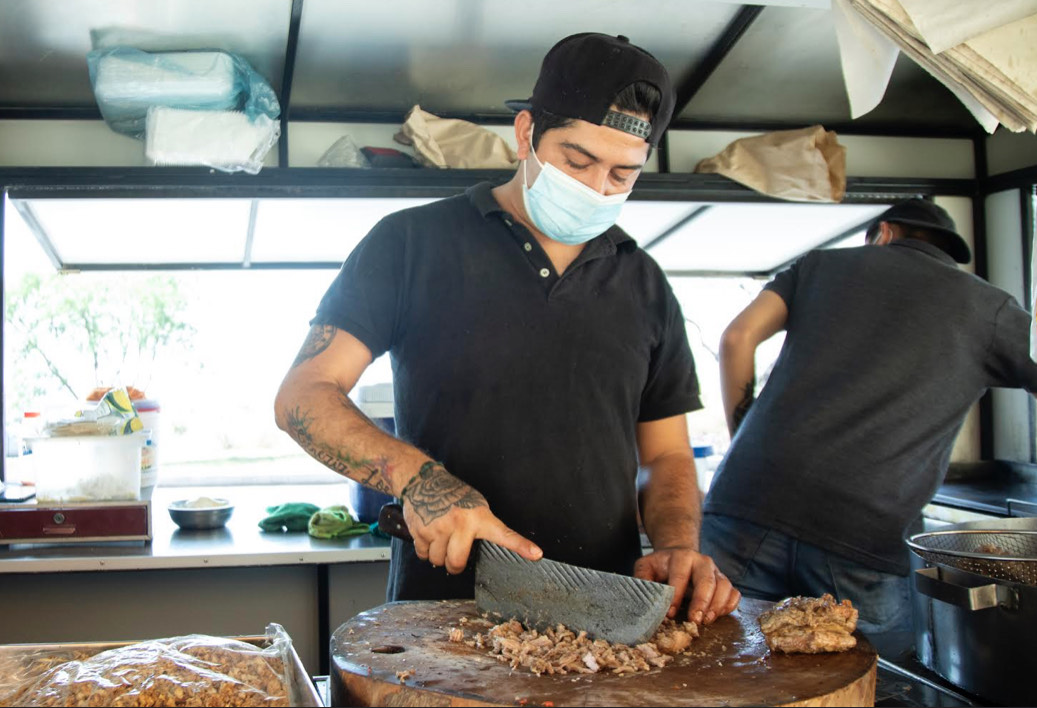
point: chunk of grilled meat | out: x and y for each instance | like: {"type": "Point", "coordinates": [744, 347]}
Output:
{"type": "Point", "coordinates": [810, 625]}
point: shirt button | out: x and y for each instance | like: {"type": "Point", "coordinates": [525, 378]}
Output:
{"type": "Point", "coordinates": [544, 272]}
{"type": "Point", "coordinates": [528, 247]}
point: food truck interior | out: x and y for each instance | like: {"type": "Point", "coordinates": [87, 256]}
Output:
{"type": "Point", "coordinates": [194, 286]}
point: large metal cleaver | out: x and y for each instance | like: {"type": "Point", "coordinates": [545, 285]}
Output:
{"type": "Point", "coordinates": [544, 593]}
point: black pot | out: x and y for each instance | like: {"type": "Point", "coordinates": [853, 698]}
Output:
{"type": "Point", "coordinates": [977, 632]}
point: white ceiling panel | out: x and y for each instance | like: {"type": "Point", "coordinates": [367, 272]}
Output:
{"type": "Point", "coordinates": [43, 43]}
{"type": "Point", "coordinates": [317, 230]}
{"type": "Point", "coordinates": [145, 231]}
{"type": "Point", "coordinates": [469, 56]}
{"type": "Point", "coordinates": [644, 220]}
{"type": "Point", "coordinates": [786, 68]}
{"type": "Point", "coordinates": [463, 57]}
{"type": "Point", "coordinates": [756, 237]}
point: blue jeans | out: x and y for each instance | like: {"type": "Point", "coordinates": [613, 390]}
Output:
{"type": "Point", "coordinates": [769, 565]}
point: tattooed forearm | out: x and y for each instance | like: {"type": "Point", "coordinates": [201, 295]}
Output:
{"type": "Point", "coordinates": [742, 409]}
{"type": "Point", "coordinates": [434, 491]}
{"type": "Point", "coordinates": [318, 339]}
{"type": "Point", "coordinates": [374, 473]}
{"type": "Point", "coordinates": [376, 480]}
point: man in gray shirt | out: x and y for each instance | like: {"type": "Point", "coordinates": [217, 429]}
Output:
{"type": "Point", "coordinates": [887, 348]}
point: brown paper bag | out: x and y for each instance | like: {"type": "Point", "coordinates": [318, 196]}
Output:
{"type": "Point", "coordinates": [806, 165]}
{"type": "Point", "coordinates": [449, 142]}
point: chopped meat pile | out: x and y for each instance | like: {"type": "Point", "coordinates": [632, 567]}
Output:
{"type": "Point", "coordinates": [193, 670]}
{"type": "Point", "coordinates": [991, 550]}
{"type": "Point", "coordinates": [810, 625]}
{"type": "Point", "coordinates": [562, 651]}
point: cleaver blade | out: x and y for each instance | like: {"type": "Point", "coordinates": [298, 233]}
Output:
{"type": "Point", "coordinates": [544, 593]}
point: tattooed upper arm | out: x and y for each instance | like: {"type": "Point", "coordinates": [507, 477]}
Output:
{"type": "Point", "coordinates": [318, 339]}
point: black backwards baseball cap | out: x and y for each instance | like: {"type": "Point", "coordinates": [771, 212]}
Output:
{"type": "Point", "coordinates": [926, 215]}
{"type": "Point", "coordinates": [582, 74]}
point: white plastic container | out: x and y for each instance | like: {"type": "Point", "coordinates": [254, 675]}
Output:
{"type": "Point", "coordinates": [148, 411]}
{"type": "Point", "coordinates": [84, 468]}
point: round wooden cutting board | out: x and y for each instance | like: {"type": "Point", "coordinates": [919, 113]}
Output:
{"type": "Point", "coordinates": [728, 665]}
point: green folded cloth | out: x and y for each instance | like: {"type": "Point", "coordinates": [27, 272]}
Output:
{"type": "Point", "coordinates": [293, 516]}
{"type": "Point", "coordinates": [336, 522]}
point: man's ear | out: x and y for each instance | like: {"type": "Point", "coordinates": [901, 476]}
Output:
{"type": "Point", "coordinates": [523, 133]}
{"type": "Point", "coordinates": [886, 234]}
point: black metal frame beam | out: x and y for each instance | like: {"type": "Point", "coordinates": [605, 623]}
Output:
{"type": "Point", "coordinates": [195, 182]}
{"type": "Point", "coordinates": [290, 53]}
{"type": "Point", "coordinates": [331, 114]}
{"type": "Point", "coordinates": [1028, 230]}
{"type": "Point", "coordinates": [3, 306]}
{"type": "Point", "coordinates": [979, 260]}
{"type": "Point", "coordinates": [38, 230]}
{"type": "Point", "coordinates": [757, 275]}
{"type": "Point", "coordinates": [875, 129]}
{"type": "Point", "coordinates": [1016, 179]}
{"type": "Point", "coordinates": [677, 226]}
{"type": "Point", "coordinates": [691, 84]}
{"type": "Point", "coordinates": [250, 234]}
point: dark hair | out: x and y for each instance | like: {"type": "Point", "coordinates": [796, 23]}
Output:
{"type": "Point", "coordinates": [936, 238]}
{"type": "Point", "coordinates": [639, 98]}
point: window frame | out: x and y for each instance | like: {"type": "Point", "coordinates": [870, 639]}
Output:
{"type": "Point", "coordinates": [316, 183]}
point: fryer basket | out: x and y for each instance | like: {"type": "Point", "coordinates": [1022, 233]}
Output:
{"type": "Point", "coordinates": [1005, 555]}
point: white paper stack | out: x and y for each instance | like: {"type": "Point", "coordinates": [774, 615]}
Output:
{"type": "Point", "coordinates": [224, 140]}
{"type": "Point", "coordinates": [984, 52]}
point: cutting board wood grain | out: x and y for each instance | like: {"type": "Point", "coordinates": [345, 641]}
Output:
{"type": "Point", "coordinates": [728, 665]}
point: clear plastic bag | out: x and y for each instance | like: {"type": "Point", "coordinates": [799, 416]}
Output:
{"type": "Point", "coordinates": [343, 153]}
{"type": "Point", "coordinates": [225, 140]}
{"type": "Point", "coordinates": [191, 670]}
{"type": "Point", "coordinates": [127, 82]}
{"type": "Point", "coordinates": [191, 107]}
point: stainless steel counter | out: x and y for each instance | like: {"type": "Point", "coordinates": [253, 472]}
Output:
{"type": "Point", "coordinates": [240, 543]}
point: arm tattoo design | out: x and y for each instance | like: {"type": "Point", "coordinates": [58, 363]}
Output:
{"type": "Point", "coordinates": [434, 491]}
{"type": "Point", "coordinates": [371, 473]}
{"type": "Point", "coordinates": [744, 405]}
{"type": "Point", "coordinates": [318, 339]}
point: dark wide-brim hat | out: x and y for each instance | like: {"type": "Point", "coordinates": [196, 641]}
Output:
{"type": "Point", "coordinates": [926, 215]}
{"type": "Point", "coordinates": [582, 74]}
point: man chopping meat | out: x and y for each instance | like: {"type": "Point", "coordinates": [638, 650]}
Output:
{"type": "Point", "coordinates": [887, 348]}
{"type": "Point", "coordinates": [539, 356]}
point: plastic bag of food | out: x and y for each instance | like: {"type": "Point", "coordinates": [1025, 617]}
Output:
{"type": "Point", "coordinates": [191, 670]}
{"type": "Point", "coordinates": [127, 82]}
{"type": "Point", "coordinates": [206, 108]}
{"type": "Point", "coordinates": [114, 414]}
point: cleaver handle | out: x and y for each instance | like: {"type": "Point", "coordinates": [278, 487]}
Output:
{"type": "Point", "coordinates": [390, 521]}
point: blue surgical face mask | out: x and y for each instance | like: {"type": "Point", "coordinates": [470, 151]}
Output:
{"type": "Point", "coordinates": [565, 209]}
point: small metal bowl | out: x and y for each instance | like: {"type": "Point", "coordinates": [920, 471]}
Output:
{"type": "Point", "coordinates": [207, 517]}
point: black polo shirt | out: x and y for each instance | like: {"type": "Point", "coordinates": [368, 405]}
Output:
{"type": "Point", "coordinates": [525, 383]}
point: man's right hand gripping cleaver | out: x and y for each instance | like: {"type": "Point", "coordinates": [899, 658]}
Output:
{"type": "Point", "coordinates": [545, 593]}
